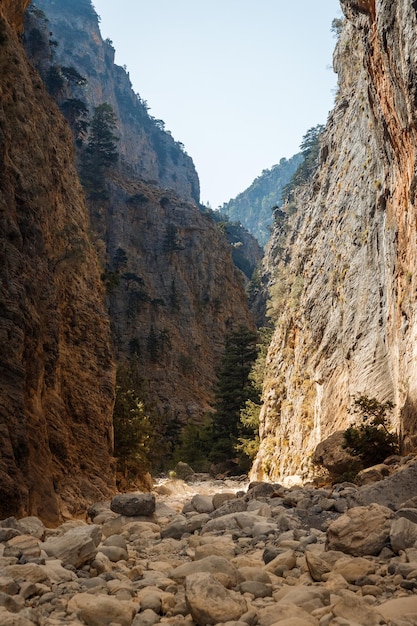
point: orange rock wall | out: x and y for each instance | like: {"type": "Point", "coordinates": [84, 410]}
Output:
{"type": "Point", "coordinates": [56, 370]}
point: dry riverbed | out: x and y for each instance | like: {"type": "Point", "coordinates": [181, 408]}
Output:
{"type": "Point", "coordinates": [219, 552]}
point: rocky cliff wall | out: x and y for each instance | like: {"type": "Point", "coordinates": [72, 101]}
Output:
{"type": "Point", "coordinates": [146, 149]}
{"type": "Point", "coordinates": [173, 291]}
{"type": "Point", "coordinates": [177, 295]}
{"type": "Point", "coordinates": [351, 325]}
{"type": "Point", "coordinates": [14, 11]}
{"type": "Point", "coordinates": [56, 372]}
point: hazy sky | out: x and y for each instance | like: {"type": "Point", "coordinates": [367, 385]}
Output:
{"type": "Point", "coordinates": [238, 82]}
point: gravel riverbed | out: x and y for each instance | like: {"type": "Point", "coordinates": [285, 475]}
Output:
{"type": "Point", "coordinates": [217, 552]}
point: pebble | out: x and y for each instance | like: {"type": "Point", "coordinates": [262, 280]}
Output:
{"type": "Point", "coordinates": [214, 553]}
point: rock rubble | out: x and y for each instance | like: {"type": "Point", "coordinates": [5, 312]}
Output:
{"type": "Point", "coordinates": [215, 553]}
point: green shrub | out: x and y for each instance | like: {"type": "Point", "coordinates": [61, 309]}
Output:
{"type": "Point", "coordinates": [194, 445]}
{"type": "Point", "coordinates": [370, 439]}
{"type": "Point", "coordinates": [133, 431]}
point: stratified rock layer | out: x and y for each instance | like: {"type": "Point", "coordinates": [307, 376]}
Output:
{"type": "Point", "coordinates": [56, 373]}
{"type": "Point", "coordinates": [351, 329]}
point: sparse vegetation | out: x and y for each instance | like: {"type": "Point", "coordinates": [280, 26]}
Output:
{"type": "Point", "coordinates": [172, 241]}
{"type": "Point", "coordinates": [133, 431]}
{"type": "Point", "coordinates": [76, 111]}
{"type": "Point", "coordinates": [233, 390]}
{"type": "Point", "coordinates": [253, 207]}
{"type": "Point", "coordinates": [248, 442]}
{"type": "Point", "coordinates": [310, 149]}
{"type": "Point", "coordinates": [337, 26]}
{"type": "Point", "coordinates": [370, 439]}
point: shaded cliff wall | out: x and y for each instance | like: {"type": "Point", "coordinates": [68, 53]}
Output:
{"type": "Point", "coordinates": [173, 291]}
{"type": "Point", "coordinates": [145, 148]}
{"type": "Point", "coordinates": [353, 326]}
{"type": "Point", "coordinates": [177, 297]}
{"type": "Point", "coordinates": [57, 379]}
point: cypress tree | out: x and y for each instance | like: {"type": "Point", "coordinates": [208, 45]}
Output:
{"type": "Point", "coordinates": [234, 388]}
{"type": "Point", "coordinates": [101, 151]}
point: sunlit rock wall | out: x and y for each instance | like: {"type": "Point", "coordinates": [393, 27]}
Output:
{"type": "Point", "coordinates": [354, 328]}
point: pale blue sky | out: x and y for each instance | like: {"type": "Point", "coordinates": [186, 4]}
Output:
{"type": "Point", "coordinates": [238, 82]}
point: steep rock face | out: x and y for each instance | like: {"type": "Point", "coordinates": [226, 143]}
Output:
{"type": "Point", "coordinates": [13, 11]}
{"type": "Point", "coordinates": [254, 206]}
{"type": "Point", "coordinates": [177, 296]}
{"type": "Point", "coordinates": [146, 149]}
{"type": "Point", "coordinates": [173, 292]}
{"type": "Point", "coordinates": [57, 379]}
{"type": "Point", "coordinates": [352, 328]}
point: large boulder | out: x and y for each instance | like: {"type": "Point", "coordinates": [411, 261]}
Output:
{"type": "Point", "coordinates": [352, 609]}
{"type": "Point", "coordinates": [217, 566]}
{"type": "Point", "coordinates": [391, 492]}
{"type": "Point", "coordinates": [76, 547]}
{"type": "Point", "coordinates": [281, 563]}
{"type": "Point", "coordinates": [331, 455]}
{"type": "Point", "coordinates": [400, 608]}
{"type": "Point", "coordinates": [232, 521]}
{"type": "Point", "coordinates": [202, 504]}
{"type": "Point", "coordinates": [403, 534]}
{"type": "Point", "coordinates": [210, 603]}
{"type": "Point", "coordinates": [134, 504]}
{"type": "Point", "coordinates": [183, 471]}
{"type": "Point", "coordinates": [101, 610]}
{"type": "Point", "coordinates": [286, 613]}
{"type": "Point", "coordinates": [361, 531]}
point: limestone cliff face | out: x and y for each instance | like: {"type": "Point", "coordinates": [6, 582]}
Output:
{"type": "Point", "coordinates": [146, 149]}
{"type": "Point", "coordinates": [178, 295]}
{"type": "Point", "coordinates": [351, 326]}
{"type": "Point", "coordinates": [173, 291]}
{"type": "Point", "coordinates": [56, 372]}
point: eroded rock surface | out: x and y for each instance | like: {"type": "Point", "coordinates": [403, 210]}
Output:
{"type": "Point", "coordinates": [348, 323]}
{"type": "Point", "coordinates": [56, 370]}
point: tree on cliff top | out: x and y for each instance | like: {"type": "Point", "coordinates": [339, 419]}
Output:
{"type": "Point", "coordinates": [310, 149]}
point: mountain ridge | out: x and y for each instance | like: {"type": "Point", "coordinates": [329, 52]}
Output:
{"type": "Point", "coordinates": [254, 206]}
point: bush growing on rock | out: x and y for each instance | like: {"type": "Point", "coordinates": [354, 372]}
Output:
{"type": "Point", "coordinates": [370, 439]}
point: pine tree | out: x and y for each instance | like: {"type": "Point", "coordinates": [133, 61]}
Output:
{"type": "Point", "coordinates": [133, 431]}
{"type": "Point", "coordinates": [101, 151]}
{"type": "Point", "coordinates": [233, 390]}
{"type": "Point", "coordinates": [248, 440]}
{"type": "Point", "coordinates": [310, 149]}
{"type": "Point", "coordinates": [103, 141]}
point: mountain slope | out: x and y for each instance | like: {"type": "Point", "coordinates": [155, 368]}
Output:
{"type": "Point", "coordinates": [145, 148]}
{"type": "Point", "coordinates": [347, 322]}
{"type": "Point", "coordinates": [253, 207]}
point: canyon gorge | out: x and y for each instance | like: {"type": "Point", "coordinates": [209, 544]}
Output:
{"type": "Point", "coordinates": [144, 272]}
